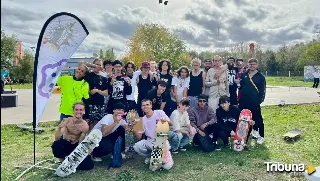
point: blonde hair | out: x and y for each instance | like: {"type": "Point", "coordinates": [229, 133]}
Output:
{"type": "Point", "coordinates": [196, 60]}
{"type": "Point", "coordinates": [216, 57]}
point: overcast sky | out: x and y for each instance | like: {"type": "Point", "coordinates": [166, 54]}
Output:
{"type": "Point", "coordinates": [270, 23]}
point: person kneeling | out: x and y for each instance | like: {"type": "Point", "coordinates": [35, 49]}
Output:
{"type": "Point", "coordinates": [181, 132]}
{"type": "Point", "coordinates": [144, 146]}
{"type": "Point", "coordinates": [228, 117]}
{"type": "Point", "coordinates": [70, 133]}
{"type": "Point", "coordinates": [111, 126]}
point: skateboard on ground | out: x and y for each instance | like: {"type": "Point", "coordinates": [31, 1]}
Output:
{"type": "Point", "coordinates": [130, 138]}
{"type": "Point", "coordinates": [240, 139]}
{"type": "Point", "coordinates": [71, 162]}
{"type": "Point", "coordinates": [159, 146]}
{"type": "Point", "coordinates": [292, 135]}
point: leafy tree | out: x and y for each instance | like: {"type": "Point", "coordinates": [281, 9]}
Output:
{"type": "Point", "coordinates": [109, 54]}
{"type": "Point", "coordinates": [101, 54]}
{"type": "Point", "coordinates": [24, 69]}
{"type": "Point", "coordinates": [311, 55]}
{"type": "Point", "coordinates": [154, 42]}
{"type": "Point", "coordinates": [8, 48]}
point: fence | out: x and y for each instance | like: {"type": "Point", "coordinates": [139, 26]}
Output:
{"type": "Point", "coordinates": [283, 73]}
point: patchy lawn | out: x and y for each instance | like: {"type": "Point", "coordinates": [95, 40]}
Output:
{"type": "Point", "coordinates": [17, 149]}
{"type": "Point", "coordinates": [19, 86]}
{"type": "Point", "coordinates": [288, 81]}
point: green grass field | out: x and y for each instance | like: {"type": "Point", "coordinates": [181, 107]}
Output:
{"type": "Point", "coordinates": [288, 81]}
{"type": "Point", "coordinates": [17, 149]}
{"type": "Point", "coordinates": [19, 86]}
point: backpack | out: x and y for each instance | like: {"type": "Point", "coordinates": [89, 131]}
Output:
{"type": "Point", "coordinates": [117, 157]}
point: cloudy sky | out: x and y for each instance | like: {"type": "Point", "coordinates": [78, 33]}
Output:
{"type": "Point", "coordinates": [270, 23]}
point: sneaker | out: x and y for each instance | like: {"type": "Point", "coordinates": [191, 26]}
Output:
{"type": "Point", "coordinates": [97, 159]}
{"type": "Point", "coordinates": [255, 134]}
{"type": "Point", "coordinates": [196, 145]}
{"type": "Point", "coordinates": [260, 140]}
{"type": "Point", "coordinates": [123, 155]}
{"type": "Point", "coordinates": [247, 148]}
{"type": "Point", "coordinates": [182, 149]}
{"type": "Point", "coordinates": [147, 161]}
{"type": "Point", "coordinates": [216, 147]}
{"type": "Point", "coordinates": [174, 151]}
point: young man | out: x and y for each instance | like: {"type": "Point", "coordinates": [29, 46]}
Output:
{"type": "Point", "coordinates": [253, 92]}
{"type": "Point", "coordinates": [70, 133]}
{"type": "Point", "coordinates": [203, 119]}
{"type": "Point", "coordinates": [144, 146]}
{"type": "Point", "coordinates": [106, 72]}
{"type": "Point", "coordinates": [158, 96]}
{"type": "Point", "coordinates": [241, 70]}
{"type": "Point", "coordinates": [228, 116]}
{"type": "Point", "coordinates": [4, 77]}
{"type": "Point", "coordinates": [207, 66]}
{"type": "Point", "coordinates": [316, 76]}
{"type": "Point", "coordinates": [219, 85]}
{"type": "Point", "coordinates": [120, 87]}
{"type": "Point", "coordinates": [197, 82]}
{"type": "Point", "coordinates": [73, 89]}
{"type": "Point", "coordinates": [153, 67]}
{"type": "Point", "coordinates": [98, 87]}
{"type": "Point", "coordinates": [111, 128]}
{"type": "Point", "coordinates": [180, 84]}
{"type": "Point", "coordinates": [232, 72]}
{"type": "Point", "coordinates": [181, 132]}
{"type": "Point", "coordinates": [145, 82]}
{"type": "Point", "coordinates": [130, 69]}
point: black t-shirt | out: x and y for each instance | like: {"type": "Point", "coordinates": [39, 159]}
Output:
{"type": "Point", "coordinates": [232, 72]}
{"type": "Point", "coordinates": [96, 82]}
{"type": "Point", "coordinates": [155, 99]}
{"type": "Point", "coordinates": [119, 90]}
{"type": "Point", "coordinates": [228, 119]}
{"type": "Point", "coordinates": [167, 78]}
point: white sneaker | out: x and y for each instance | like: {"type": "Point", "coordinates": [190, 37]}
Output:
{"type": "Point", "coordinates": [260, 140]}
{"type": "Point", "coordinates": [255, 134]}
{"type": "Point", "coordinates": [97, 159]}
{"type": "Point", "coordinates": [147, 161]}
{"type": "Point", "coordinates": [122, 154]}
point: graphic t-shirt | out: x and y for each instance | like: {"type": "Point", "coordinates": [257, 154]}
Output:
{"type": "Point", "coordinates": [232, 72]}
{"type": "Point", "coordinates": [155, 99]}
{"type": "Point", "coordinates": [228, 119]}
{"type": "Point", "coordinates": [119, 90]}
{"type": "Point", "coordinates": [181, 84]}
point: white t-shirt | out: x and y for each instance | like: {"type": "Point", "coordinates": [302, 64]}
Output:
{"type": "Point", "coordinates": [316, 74]}
{"type": "Point", "coordinates": [181, 84]}
{"type": "Point", "coordinates": [179, 120]}
{"type": "Point", "coordinates": [107, 120]}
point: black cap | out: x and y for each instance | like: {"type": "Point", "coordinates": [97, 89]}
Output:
{"type": "Point", "coordinates": [119, 106]}
{"type": "Point", "coordinates": [116, 62]}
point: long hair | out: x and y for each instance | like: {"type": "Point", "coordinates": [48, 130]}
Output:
{"type": "Point", "coordinates": [161, 63]}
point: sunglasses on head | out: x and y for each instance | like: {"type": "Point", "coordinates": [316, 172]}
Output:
{"type": "Point", "coordinates": [202, 100]}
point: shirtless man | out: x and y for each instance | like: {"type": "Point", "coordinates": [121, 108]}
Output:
{"type": "Point", "coordinates": [70, 133]}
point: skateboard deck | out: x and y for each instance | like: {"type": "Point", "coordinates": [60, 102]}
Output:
{"type": "Point", "coordinates": [294, 134]}
{"type": "Point", "coordinates": [240, 139]}
{"type": "Point", "coordinates": [159, 147]}
{"type": "Point", "coordinates": [71, 162]}
{"type": "Point", "coordinates": [130, 138]}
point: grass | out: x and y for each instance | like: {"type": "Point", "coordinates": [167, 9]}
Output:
{"type": "Point", "coordinates": [288, 81]}
{"type": "Point", "coordinates": [19, 86]}
{"type": "Point", "coordinates": [17, 149]}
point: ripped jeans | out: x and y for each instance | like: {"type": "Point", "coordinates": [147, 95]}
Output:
{"type": "Point", "coordinates": [178, 140]}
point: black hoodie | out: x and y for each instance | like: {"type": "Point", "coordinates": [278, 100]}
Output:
{"type": "Point", "coordinates": [228, 119]}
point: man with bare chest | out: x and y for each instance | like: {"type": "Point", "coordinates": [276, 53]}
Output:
{"type": "Point", "coordinates": [70, 133]}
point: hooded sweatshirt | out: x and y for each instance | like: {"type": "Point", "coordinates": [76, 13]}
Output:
{"type": "Point", "coordinates": [228, 119]}
{"type": "Point", "coordinates": [200, 116]}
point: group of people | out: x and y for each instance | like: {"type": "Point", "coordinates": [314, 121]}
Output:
{"type": "Point", "coordinates": [200, 106]}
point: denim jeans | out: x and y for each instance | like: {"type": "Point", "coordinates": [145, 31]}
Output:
{"type": "Point", "coordinates": [177, 140]}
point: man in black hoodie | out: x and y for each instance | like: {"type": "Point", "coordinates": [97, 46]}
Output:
{"type": "Point", "coordinates": [253, 91]}
{"type": "Point", "coordinates": [227, 117]}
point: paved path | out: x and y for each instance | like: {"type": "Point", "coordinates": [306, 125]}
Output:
{"type": "Point", "coordinates": [23, 113]}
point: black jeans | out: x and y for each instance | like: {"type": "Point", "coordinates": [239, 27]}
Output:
{"type": "Point", "coordinates": [315, 83]}
{"type": "Point", "coordinates": [2, 87]}
{"type": "Point", "coordinates": [131, 105]}
{"type": "Point", "coordinates": [107, 143]}
{"type": "Point", "coordinates": [256, 116]}
{"type": "Point", "coordinates": [62, 148]}
{"type": "Point", "coordinates": [205, 142]}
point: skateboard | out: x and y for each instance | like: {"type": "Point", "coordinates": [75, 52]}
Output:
{"type": "Point", "coordinates": [240, 139]}
{"type": "Point", "coordinates": [292, 135]}
{"type": "Point", "coordinates": [159, 147]}
{"type": "Point", "coordinates": [129, 136]}
{"type": "Point", "coordinates": [71, 162]}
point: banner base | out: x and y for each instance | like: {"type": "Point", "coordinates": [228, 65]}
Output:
{"type": "Point", "coordinates": [34, 166]}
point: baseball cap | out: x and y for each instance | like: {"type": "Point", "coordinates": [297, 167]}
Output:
{"type": "Point", "coordinates": [145, 64]}
{"type": "Point", "coordinates": [119, 106]}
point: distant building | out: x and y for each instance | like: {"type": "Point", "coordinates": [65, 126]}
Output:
{"type": "Point", "coordinates": [73, 63]}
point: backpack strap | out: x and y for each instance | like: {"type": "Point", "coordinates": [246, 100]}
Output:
{"type": "Point", "coordinates": [253, 84]}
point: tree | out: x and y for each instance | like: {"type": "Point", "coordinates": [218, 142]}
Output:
{"type": "Point", "coordinates": [8, 48]}
{"type": "Point", "coordinates": [24, 69]}
{"type": "Point", "coordinates": [154, 42]}
{"type": "Point", "coordinates": [101, 54]}
{"type": "Point", "coordinates": [311, 55]}
{"type": "Point", "coordinates": [109, 54]}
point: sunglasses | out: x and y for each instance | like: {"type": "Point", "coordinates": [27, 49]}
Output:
{"type": "Point", "coordinates": [202, 100]}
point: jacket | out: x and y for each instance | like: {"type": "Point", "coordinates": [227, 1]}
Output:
{"type": "Point", "coordinates": [216, 90]}
{"type": "Point", "coordinates": [200, 116]}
